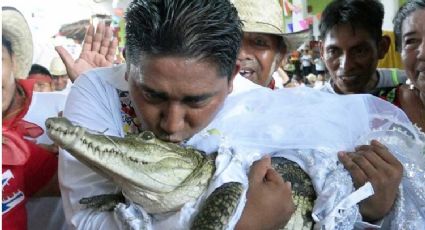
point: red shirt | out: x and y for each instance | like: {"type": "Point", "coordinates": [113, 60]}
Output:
{"type": "Point", "coordinates": [26, 167]}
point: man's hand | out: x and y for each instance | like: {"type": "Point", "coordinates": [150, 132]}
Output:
{"type": "Point", "coordinates": [376, 164]}
{"type": "Point", "coordinates": [98, 51]}
{"type": "Point", "coordinates": [269, 202]}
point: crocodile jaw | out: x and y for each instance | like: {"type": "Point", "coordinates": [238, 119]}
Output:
{"type": "Point", "coordinates": [63, 133]}
{"type": "Point", "coordinates": [148, 166]}
{"type": "Point", "coordinates": [159, 177]}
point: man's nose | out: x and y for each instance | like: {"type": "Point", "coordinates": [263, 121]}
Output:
{"type": "Point", "coordinates": [345, 62]}
{"type": "Point", "coordinates": [172, 118]}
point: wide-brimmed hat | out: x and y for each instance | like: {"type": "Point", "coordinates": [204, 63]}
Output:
{"type": "Point", "coordinates": [266, 16]}
{"type": "Point", "coordinates": [16, 30]}
{"type": "Point", "coordinates": [57, 67]}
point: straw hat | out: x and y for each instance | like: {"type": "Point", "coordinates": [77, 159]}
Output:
{"type": "Point", "coordinates": [266, 16]}
{"type": "Point", "coordinates": [16, 30]}
{"type": "Point", "coordinates": [57, 67]}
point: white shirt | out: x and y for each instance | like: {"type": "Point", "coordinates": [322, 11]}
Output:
{"type": "Point", "coordinates": [306, 60]}
{"type": "Point", "coordinates": [319, 64]}
{"type": "Point", "coordinates": [95, 105]}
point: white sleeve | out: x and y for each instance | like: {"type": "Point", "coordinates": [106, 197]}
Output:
{"type": "Point", "coordinates": [93, 104]}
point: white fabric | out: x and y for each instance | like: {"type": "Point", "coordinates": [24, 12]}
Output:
{"type": "Point", "coordinates": [303, 125]}
{"type": "Point", "coordinates": [43, 106]}
{"type": "Point", "coordinates": [242, 85]}
{"type": "Point", "coordinates": [318, 84]}
{"type": "Point", "coordinates": [277, 80]}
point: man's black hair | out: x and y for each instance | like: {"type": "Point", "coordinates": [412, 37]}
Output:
{"type": "Point", "coordinates": [403, 12]}
{"type": "Point", "coordinates": [360, 14]}
{"type": "Point", "coordinates": [39, 69]}
{"type": "Point", "coordinates": [208, 30]}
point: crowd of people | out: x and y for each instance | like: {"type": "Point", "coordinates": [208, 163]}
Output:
{"type": "Point", "coordinates": [186, 62]}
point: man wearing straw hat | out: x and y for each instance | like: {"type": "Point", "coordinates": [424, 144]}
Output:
{"type": "Point", "coordinates": [263, 45]}
{"type": "Point", "coordinates": [26, 167]}
{"type": "Point", "coordinates": [60, 79]}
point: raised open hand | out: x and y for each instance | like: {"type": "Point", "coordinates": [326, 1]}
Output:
{"type": "Point", "coordinates": [98, 51]}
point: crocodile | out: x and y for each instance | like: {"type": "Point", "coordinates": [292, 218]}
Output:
{"type": "Point", "coordinates": [162, 176]}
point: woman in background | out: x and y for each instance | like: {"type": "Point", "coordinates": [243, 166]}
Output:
{"type": "Point", "coordinates": [409, 31]}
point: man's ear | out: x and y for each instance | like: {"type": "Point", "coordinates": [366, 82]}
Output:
{"type": "Point", "coordinates": [235, 72]}
{"type": "Point", "coordinates": [383, 46]}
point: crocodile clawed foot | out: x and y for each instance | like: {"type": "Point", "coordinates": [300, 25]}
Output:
{"type": "Point", "coordinates": [105, 202]}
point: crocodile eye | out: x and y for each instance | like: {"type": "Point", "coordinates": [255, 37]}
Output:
{"type": "Point", "coordinates": [147, 135]}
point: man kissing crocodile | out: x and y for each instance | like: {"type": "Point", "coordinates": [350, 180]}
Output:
{"type": "Point", "coordinates": [180, 79]}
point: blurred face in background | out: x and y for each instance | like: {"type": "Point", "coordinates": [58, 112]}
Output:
{"type": "Point", "coordinates": [43, 82]}
{"type": "Point", "coordinates": [8, 80]}
{"type": "Point", "coordinates": [59, 82]}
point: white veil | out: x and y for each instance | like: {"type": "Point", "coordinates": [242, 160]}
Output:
{"type": "Point", "coordinates": [309, 127]}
